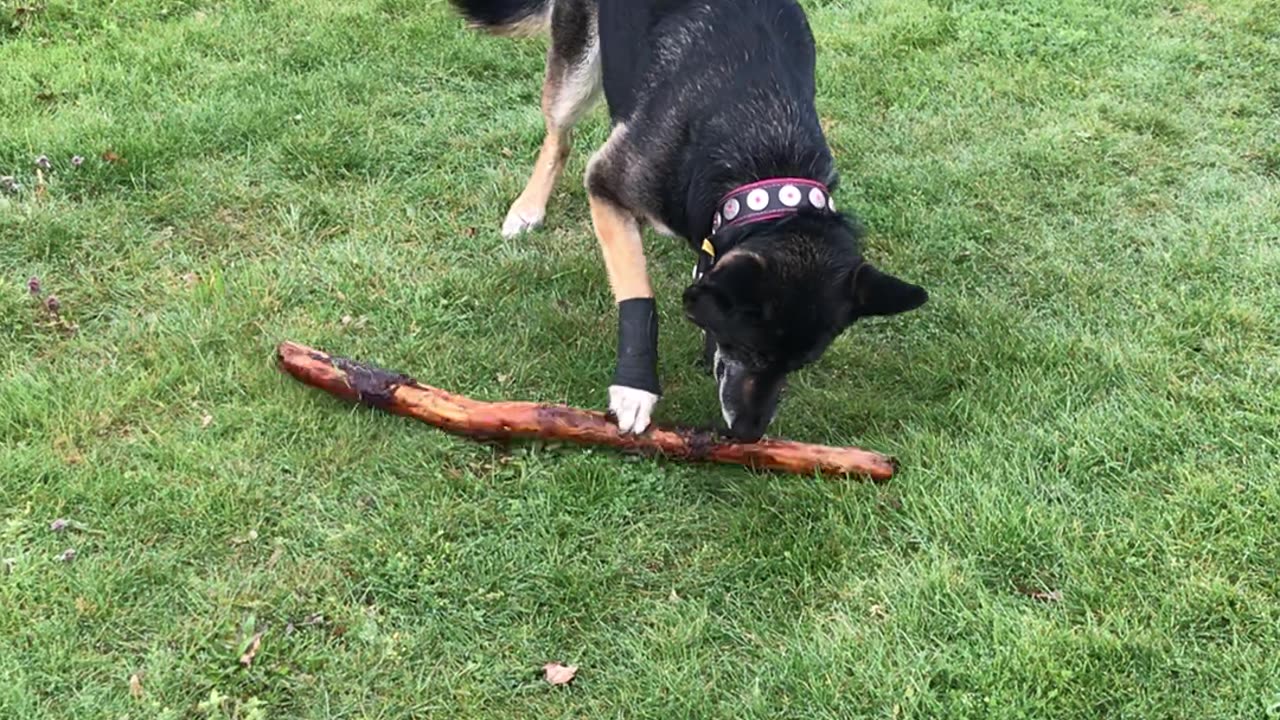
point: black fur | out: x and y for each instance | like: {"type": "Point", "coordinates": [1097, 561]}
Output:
{"type": "Point", "coordinates": [496, 15]}
{"type": "Point", "coordinates": [706, 96]}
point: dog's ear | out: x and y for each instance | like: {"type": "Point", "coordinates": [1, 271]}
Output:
{"type": "Point", "coordinates": [705, 305]}
{"type": "Point", "coordinates": [878, 293]}
{"type": "Point", "coordinates": [727, 293]}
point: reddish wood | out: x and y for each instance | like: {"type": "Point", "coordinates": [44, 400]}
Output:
{"type": "Point", "coordinates": [402, 395]}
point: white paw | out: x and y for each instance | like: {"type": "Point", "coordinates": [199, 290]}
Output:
{"type": "Point", "coordinates": [521, 220]}
{"type": "Point", "coordinates": [633, 408]}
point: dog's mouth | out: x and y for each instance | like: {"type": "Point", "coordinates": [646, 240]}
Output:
{"type": "Point", "coordinates": [747, 403]}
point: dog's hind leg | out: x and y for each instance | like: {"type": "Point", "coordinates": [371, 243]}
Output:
{"type": "Point", "coordinates": [570, 89]}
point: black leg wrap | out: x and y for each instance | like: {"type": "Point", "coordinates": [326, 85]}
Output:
{"type": "Point", "coordinates": [638, 345]}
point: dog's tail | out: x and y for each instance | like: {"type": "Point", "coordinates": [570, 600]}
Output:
{"type": "Point", "coordinates": [516, 18]}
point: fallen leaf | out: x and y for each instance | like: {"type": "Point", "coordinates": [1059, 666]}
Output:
{"type": "Point", "coordinates": [206, 421]}
{"type": "Point", "coordinates": [877, 611]}
{"type": "Point", "coordinates": [275, 556]}
{"type": "Point", "coordinates": [135, 686]}
{"type": "Point", "coordinates": [558, 674]}
{"type": "Point", "coordinates": [251, 652]}
{"type": "Point", "coordinates": [346, 319]}
{"type": "Point", "coordinates": [112, 157]}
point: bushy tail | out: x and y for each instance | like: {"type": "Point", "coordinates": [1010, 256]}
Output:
{"type": "Point", "coordinates": [507, 17]}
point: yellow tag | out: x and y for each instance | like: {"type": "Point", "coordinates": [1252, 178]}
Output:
{"type": "Point", "coordinates": [708, 248]}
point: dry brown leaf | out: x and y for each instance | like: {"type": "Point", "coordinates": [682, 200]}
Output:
{"type": "Point", "coordinates": [558, 674]}
{"type": "Point", "coordinates": [135, 686]}
{"type": "Point", "coordinates": [275, 556]}
{"type": "Point", "coordinates": [112, 157]}
{"type": "Point", "coordinates": [252, 651]}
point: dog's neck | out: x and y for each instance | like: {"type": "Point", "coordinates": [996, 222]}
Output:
{"type": "Point", "coordinates": [756, 202]}
{"type": "Point", "coordinates": [785, 142]}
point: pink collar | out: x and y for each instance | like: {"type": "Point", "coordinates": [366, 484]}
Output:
{"type": "Point", "coordinates": [758, 201]}
{"type": "Point", "coordinates": [769, 199]}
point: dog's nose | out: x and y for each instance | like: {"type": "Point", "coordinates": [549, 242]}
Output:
{"type": "Point", "coordinates": [748, 429]}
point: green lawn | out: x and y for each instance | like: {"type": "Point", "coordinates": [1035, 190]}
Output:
{"type": "Point", "coordinates": [1088, 408]}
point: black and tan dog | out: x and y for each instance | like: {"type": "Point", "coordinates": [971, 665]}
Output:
{"type": "Point", "coordinates": [716, 139]}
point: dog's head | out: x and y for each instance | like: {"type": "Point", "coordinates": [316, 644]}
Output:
{"type": "Point", "coordinates": [775, 302]}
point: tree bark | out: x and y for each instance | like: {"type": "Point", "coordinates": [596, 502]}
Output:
{"type": "Point", "coordinates": [402, 395]}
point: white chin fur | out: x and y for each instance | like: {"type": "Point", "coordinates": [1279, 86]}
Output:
{"type": "Point", "coordinates": [723, 380]}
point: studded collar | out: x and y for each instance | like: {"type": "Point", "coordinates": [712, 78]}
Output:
{"type": "Point", "coordinates": [763, 200]}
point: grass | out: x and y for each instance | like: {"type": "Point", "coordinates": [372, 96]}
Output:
{"type": "Point", "coordinates": [1090, 404]}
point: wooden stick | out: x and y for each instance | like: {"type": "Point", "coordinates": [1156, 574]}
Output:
{"type": "Point", "coordinates": [402, 395]}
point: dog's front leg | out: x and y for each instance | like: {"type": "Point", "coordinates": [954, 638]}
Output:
{"type": "Point", "coordinates": [635, 389]}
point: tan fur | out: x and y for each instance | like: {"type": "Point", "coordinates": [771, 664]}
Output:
{"type": "Point", "coordinates": [546, 171]}
{"type": "Point", "coordinates": [623, 250]}
{"type": "Point", "coordinates": [568, 92]}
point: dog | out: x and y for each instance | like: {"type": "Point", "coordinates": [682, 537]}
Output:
{"type": "Point", "coordinates": [715, 138]}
